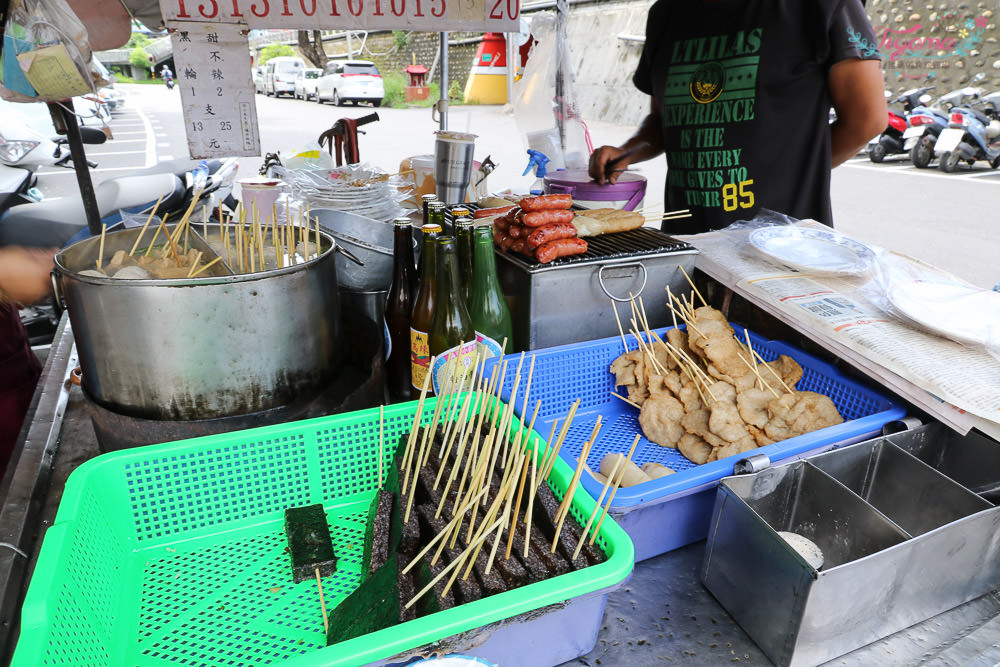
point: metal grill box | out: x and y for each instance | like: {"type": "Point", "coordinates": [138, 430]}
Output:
{"type": "Point", "coordinates": [905, 529]}
{"type": "Point", "coordinates": [569, 299]}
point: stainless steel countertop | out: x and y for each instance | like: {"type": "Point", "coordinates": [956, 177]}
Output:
{"type": "Point", "coordinates": [661, 616]}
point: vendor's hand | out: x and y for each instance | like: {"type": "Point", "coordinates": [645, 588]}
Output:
{"type": "Point", "coordinates": [599, 163]}
{"type": "Point", "coordinates": [24, 273]}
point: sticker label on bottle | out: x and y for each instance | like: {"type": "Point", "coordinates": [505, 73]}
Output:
{"type": "Point", "coordinates": [420, 358]}
{"type": "Point", "coordinates": [461, 358]}
{"type": "Point", "coordinates": [488, 347]}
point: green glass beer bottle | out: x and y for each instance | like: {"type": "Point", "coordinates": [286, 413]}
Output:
{"type": "Point", "coordinates": [435, 216]}
{"type": "Point", "coordinates": [423, 309]}
{"type": "Point", "coordinates": [465, 244]}
{"type": "Point", "coordinates": [487, 306]}
{"type": "Point", "coordinates": [452, 338]}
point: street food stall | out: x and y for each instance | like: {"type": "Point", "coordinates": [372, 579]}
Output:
{"type": "Point", "coordinates": [767, 443]}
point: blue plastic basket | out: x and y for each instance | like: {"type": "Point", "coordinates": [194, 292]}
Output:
{"type": "Point", "coordinates": [670, 512]}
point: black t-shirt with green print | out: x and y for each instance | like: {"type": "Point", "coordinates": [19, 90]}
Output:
{"type": "Point", "coordinates": [742, 88]}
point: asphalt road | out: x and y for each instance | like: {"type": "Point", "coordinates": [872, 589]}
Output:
{"type": "Point", "coordinates": [945, 219]}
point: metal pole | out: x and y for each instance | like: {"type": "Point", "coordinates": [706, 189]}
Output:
{"type": "Point", "coordinates": [443, 104]}
{"type": "Point", "coordinates": [512, 58]}
{"type": "Point", "coordinates": [562, 15]}
{"type": "Point", "coordinates": [75, 141]}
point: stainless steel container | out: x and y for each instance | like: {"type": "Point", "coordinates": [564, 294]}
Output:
{"type": "Point", "coordinates": [903, 536]}
{"type": "Point", "coordinates": [570, 299]}
{"type": "Point", "coordinates": [200, 348]}
{"type": "Point", "coordinates": [367, 239]}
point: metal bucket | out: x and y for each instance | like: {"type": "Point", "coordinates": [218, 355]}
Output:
{"type": "Point", "coordinates": [205, 347]}
{"type": "Point", "coordinates": [368, 239]}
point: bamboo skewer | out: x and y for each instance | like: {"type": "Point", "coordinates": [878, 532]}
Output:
{"type": "Point", "coordinates": [194, 264]}
{"type": "Point", "coordinates": [143, 230]}
{"type": "Point", "coordinates": [620, 331]}
{"type": "Point", "coordinates": [764, 363]}
{"type": "Point", "coordinates": [100, 252]}
{"type": "Point", "coordinates": [691, 282]}
{"type": "Point", "coordinates": [619, 463]}
{"type": "Point", "coordinates": [617, 484]}
{"type": "Point", "coordinates": [322, 602]}
{"type": "Point", "coordinates": [581, 463]}
{"type": "Point", "coordinates": [195, 274]}
{"type": "Point", "coordinates": [554, 452]}
{"type": "Point", "coordinates": [634, 405]}
{"type": "Point", "coordinates": [170, 242]}
{"type": "Point", "coordinates": [411, 440]}
{"type": "Point", "coordinates": [454, 564]}
{"type": "Point", "coordinates": [571, 489]}
{"type": "Point", "coordinates": [531, 498]}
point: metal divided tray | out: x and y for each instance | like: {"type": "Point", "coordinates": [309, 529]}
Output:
{"type": "Point", "coordinates": [903, 531]}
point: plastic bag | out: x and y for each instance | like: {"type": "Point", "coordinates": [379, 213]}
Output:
{"type": "Point", "coordinates": [936, 301]}
{"type": "Point", "coordinates": [46, 53]}
{"type": "Point", "coordinates": [545, 101]}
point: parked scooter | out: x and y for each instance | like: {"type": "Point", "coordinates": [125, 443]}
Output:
{"type": "Point", "coordinates": [23, 150]}
{"type": "Point", "coordinates": [927, 123]}
{"type": "Point", "coordinates": [53, 223]}
{"type": "Point", "coordinates": [971, 135]}
{"type": "Point", "coordinates": [891, 142]}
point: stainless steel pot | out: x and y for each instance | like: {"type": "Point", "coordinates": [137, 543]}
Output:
{"type": "Point", "coordinates": [199, 348]}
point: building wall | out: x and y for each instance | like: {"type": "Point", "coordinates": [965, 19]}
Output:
{"type": "Point", "coordinates": [949, 40]}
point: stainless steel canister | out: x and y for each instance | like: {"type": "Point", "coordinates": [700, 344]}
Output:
{"type": "Point", "coordinates": [205, 347]}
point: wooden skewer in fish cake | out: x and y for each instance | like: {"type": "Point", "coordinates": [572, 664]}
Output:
{"type": "Point", "coordinates": [764, 363]}
{"type": "Point", "coordinates": [619, 462]}
{"type": "Point", "coordinates": [567, 501]}
{"type": "Point", "coordinates": [614, 490]}
{"type": "Point", "coordinates": [146, 225]}
{"type": "Point", "coordinates": [691, 283]}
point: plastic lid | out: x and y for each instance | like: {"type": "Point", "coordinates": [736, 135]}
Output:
{"type": "Point", "coordinates": [626, 180]}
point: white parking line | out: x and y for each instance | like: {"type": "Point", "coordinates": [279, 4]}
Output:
{"type": "Point", "coordinates": [128, 141]}
{"type": "Point", "coordinates": [980, 174]}
{"type": "Point", "coordinates": [150, 139]}
{"type": "Point", "coordinates": [100, 155]}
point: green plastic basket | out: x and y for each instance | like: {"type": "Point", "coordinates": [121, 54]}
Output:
{"type": "Point", "coordinates": [175, 553]}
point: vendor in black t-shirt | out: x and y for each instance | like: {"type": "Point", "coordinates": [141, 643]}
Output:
{"type": "Point", "coordinates": [740, 97]}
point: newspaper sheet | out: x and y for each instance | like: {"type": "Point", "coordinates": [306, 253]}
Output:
{"type": "Point", "coordinates": [959, 384]}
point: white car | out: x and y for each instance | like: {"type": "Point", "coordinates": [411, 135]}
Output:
{"type": "Point", "coordinates": [279, 74]}
{"type": "Point", "coordinates": [350, 81]}
{"type": "Point", "coordinates": [305, 83]}
{"type": "Point", "coordinates": [258, 79]}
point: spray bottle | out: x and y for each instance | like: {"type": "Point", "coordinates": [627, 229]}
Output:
{"type": "Point", "coordinates": [537, 161]}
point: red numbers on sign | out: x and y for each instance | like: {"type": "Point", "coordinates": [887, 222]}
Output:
{"type": "Point", "coordinates": [512, 12]}
{"type": "Point", "coordinates": [210, 9]}
{"type": "Point", "coordinates": [212, 14]}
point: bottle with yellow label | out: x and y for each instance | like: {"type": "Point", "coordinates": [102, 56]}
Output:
{"type": "Point", "coordinates": [453, 338]}
{"type": "Point", "coordinates": [423, 308]}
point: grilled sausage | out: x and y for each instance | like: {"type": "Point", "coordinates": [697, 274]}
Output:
{"type": "Point", "coordinates": [552, 232]}
{"type": "Point", "coordinates": [560, 248]}
{"type": "Point", "coordinates": [506, 242]}
{"type": "Point", "coordinates": [517, 231]}
{"type": "Point", "coordinates": [501, 222]}
{"type": "Point", "coordinates": [521, 246]}
{"type": "Point", "coordinates": [546, 202]}
{"type": "Point", "coordinates": [539, 218]}
{"type": "Point", "coordinates": [490, 212]}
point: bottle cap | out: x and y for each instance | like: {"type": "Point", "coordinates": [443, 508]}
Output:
{"type": "Point", "coordinates": [436, 205]}
{"type": "Point", "coordinates": [401, 222]}
{"type": "Point", "coordinates": [464, 222]}
{"type": "Point", "coordinates": [459, 211]}
{"type": "Point", "coordinates": [428, 198]}
{"type": "Point", "coordinates": [431, 227]}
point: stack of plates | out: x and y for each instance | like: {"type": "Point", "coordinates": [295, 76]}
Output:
{"type": "Point", "coordinates": [366, 192]}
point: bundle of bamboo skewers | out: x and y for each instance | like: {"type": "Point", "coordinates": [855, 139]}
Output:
{"type": "Point", "coordinates": [490, 474]}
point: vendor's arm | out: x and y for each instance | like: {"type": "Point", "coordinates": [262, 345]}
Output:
{"type": "Point", "coordinates": [857, 91]}
{"type": "Point", "coordinates": [24, 274]}
{"type": "Point", "coordinates": [646, 143]}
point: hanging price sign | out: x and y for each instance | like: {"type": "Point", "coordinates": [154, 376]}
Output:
{"type": "Point", "coordinates": [213, 74]}
{"type": "Point", "coordinates": [421, 15]}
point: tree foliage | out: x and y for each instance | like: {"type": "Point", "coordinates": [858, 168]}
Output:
{"type": "Point", "coordinates": [139, 58]}
{"type": "Point", "coordinates": [275, 51]}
